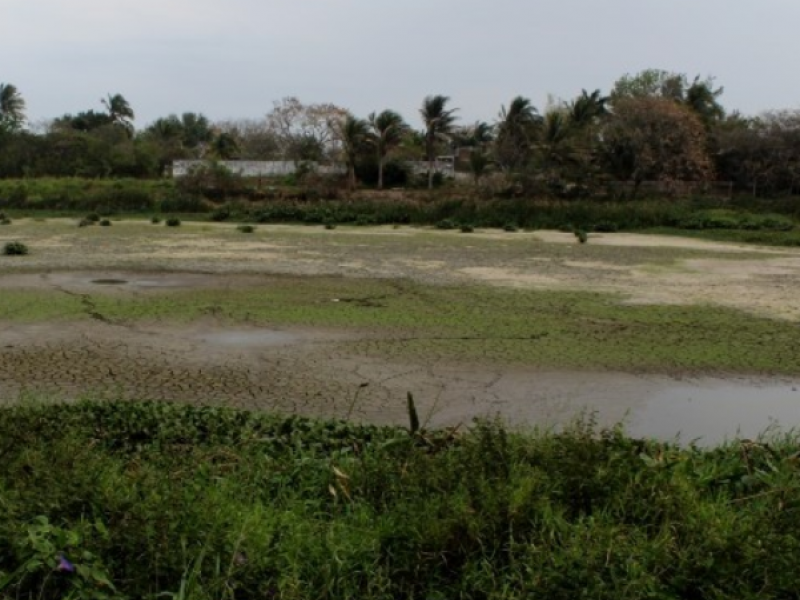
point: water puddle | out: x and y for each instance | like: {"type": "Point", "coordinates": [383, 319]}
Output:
{"type": "Point", "coordinates": [251, 339]}
{"type": "Point", "coordinates": [713, 412]}
{"type": "Point", "coordinates": [109, 281]}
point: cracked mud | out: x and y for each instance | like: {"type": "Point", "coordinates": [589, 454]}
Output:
{"type": "Point", "coordinates": [331, 370]}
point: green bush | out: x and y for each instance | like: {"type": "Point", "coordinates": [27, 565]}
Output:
{"type": "Point", "coordinates": [173, 222]}
{"type": "Point", "coordinates": [155, 219]}
{"type": "Point", "coordinates": [466, 228]}
{"type": "Point", "coordinates": [105, 223]}
{"type": "Point", "coordinates": [446, 224]}
{"type": "Point", "coordinates": [245, 228]}
{"type": "Point", "coordinates": [15, 249]}
{"type": "Point", "coordinates": [153, 499]}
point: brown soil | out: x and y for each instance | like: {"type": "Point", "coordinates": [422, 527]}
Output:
{"type": "Point", "coordinates": [310, 371]}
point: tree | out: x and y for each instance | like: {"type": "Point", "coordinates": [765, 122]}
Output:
{"type": "Point", "coordinates": [12, 108]}
{"type": "Point", "coordinates": [304, 131]}
{"type": "Point", "coordinates": [517, 129]}
{"type": "Point", "coordinates": [119, 111]}
{"type": "Point", "coordinates": [388, 129]}
{"type": "Point", "coordinates": [700, 95]}
{"type": "Point", "coordinates": [587, 109]}
{"type": "Point", "coordinates": [225, 146]}
{"type": "Point", "coordinates": [439, 122]}
{"type": "Point", "coordinates": [651, 138]}
{"type": "Point", "coordinates": [353, 134]}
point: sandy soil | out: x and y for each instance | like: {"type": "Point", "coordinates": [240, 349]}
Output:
{"type": "Point", "coordinates": [311, 372]}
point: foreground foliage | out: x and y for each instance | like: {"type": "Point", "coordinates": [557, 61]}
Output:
{"type": "Point", "coordinates": [146, 500]}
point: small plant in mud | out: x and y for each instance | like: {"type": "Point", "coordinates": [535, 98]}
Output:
{"type": "Point", "coordinates": [330, 225]}
{"type": "Point", "coordinates": [155, 220]}
{"type": "Point", "coordinates": [446, 224]}
{"type": "Point", "coordinates": [105, 223]}
{"type": "Point", "coordinates": [85, 223]}
{"type": "Point", "coordinates": [246, 228]}
{"type": "Point", "coordinates": [173, 222]}
{"type": "Point", "coordinates": [467, 228]}
{"type": "Point", "coordinates": [581, 235]}
{"type": "Point", "coordinates": [15, 249]}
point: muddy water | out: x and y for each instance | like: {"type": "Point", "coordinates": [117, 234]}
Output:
{"type": "Point", "coordinates": [714, 410]}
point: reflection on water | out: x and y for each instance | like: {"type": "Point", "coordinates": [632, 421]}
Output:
{"type": "Point", "coordinates": [256, 338]}
{"type": "Point", "coordinates": [714, 412]}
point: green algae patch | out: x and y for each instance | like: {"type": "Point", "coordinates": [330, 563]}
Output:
{"type": "Point", "coordinates": [401, 319]}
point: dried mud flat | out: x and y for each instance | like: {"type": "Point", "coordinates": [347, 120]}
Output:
{"type": "Point", "coordinates": [313, 371]}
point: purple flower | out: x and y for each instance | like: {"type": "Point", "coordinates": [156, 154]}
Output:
{"type": "Point", "coordinates": [64, 566]}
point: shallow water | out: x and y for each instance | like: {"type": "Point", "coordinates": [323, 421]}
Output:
{"type": "Point", "coordinates": [713, 412]}
{"type": "Point", "coordinates": [250, 339]}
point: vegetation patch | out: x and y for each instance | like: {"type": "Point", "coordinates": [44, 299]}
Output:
{"type": "Point", "coordinates": [466, 323]}
{"type": "Point", "coordinates": [15, 249]}
{"type": "Point", "coordinates": [136, 500]}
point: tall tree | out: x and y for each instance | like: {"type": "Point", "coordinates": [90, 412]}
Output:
{"type": "Point", "coordinates": [657, 139]}
{"type": "Point", "coordinates": [388, 129]}
{"type": "Point", "coordinates": [119, 110]}
{"type": "Point", "coordinates": [12, 108]}
{"type": "Point", "coordinates": [352, 132]}
{"type": "Point", "coordinates": [439, 122]}
{"type": "Point", "coordinates": [517, 129]}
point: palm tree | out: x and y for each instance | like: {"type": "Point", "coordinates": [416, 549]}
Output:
{"type": "Point", "coordinates": [388, 129]}
{"type": "Point", "coordinates": [701, 97]}
{"type": "Point", "coordinates": [439, 123]}
{"type": "Point", "coordinates": [352, 133]}
{"type": "Point", "coordinates": [119, 110]}
{"type": "Point", "coordinates": [12, 107]}
{"type": "Point", "coordinates": [587, 108]}
{"type": "Point", "coordinates": [516, 131]}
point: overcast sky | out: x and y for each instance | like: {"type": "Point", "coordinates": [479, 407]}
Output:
{"type": "Point", "coordinates": [233, 58]}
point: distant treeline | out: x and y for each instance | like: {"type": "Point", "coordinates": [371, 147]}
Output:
{"type": "Point", "coordinates": [654, 126]}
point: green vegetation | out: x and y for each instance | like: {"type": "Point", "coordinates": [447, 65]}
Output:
{"type": "Point", "coordinates": [15, 249]}
{"type": "Point", "coordinates": [144, 500]}
{"type": "Point", "coordinates": [503, 326]}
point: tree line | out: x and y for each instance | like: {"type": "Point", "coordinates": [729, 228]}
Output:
{"type": "Point", "coordinates": [653, 126]}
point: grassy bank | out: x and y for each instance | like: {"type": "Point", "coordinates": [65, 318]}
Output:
{"type": "Point", "coordinates": [147, 500]}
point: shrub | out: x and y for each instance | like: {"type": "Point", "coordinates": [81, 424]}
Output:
{"type": "Point", "coordinates": [105, 223]}
{"type": "Point", "coordinates": [155, 220]}
{"type": "Point", "coordinates": [605, 227]}
{"type": "Point", "coordinates": [85, 223]}
{"type": "Point", "coordinates": [330, 225]}
{"type": "Point", "coordinates": [581, 235]}
{"type": "Point", "coordinates": [510, 227]}
{"type": "Point", "coordinates": [221, 214]}
{"type": "Point", "coordinates": [5, 221]}
{"type": "Point", "coordinates": [246, 228]}
{"type": "Point", "coordinates": [173, 222]}
{"type": "Point", "coordinates": [466, 228]}
{"type": "Point", "coordinates": [15, 249]}
{"type": "Point", "coordinates": [92, 217]}
{"type": "Point", "coordinates": [446, 224]}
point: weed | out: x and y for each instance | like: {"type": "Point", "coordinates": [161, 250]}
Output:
{"type": "Point", "coordinates": [173, 222]}
{"type": "Point", "coordinates": [245, 228]}
{"type": "Point", "coordinates": [105, 223]}
{"type": "Point", "coordinates": [15, 249]}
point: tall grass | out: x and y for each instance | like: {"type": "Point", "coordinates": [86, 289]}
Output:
{"type": "Point", "coordinates": [150, 500]}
